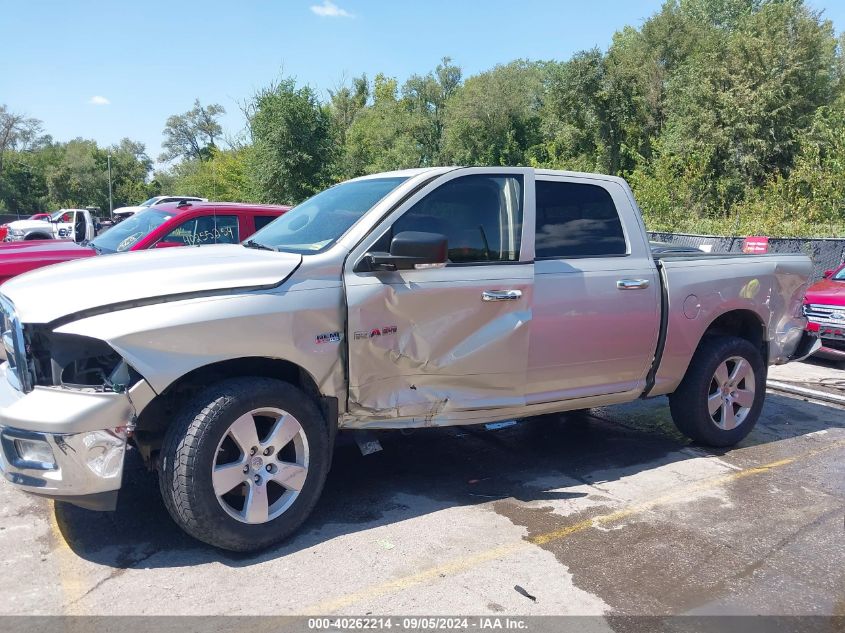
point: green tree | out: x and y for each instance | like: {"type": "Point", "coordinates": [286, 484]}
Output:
{"type": "Point", "coordinates": [346, 102]}
{"type": "Point", "coordinates": [494, 118]}
{"type": "Point", "coordinates": [294, 145]}
{"type": "Point", "coordinates": [427, 97]}
{"type": "Point", "coordinates": [192, 134]}
{"type": "Point", "coordinates": [383, 136]}
{"type": "Point", "coordinates": [226, 175]}
{"type": "Point", "coordinates": [736, 108]}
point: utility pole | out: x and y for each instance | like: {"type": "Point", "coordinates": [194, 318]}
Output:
{"type": "Point", "coordinates": [111, 207]}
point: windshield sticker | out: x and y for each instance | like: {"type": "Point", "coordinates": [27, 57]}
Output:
{"type": "Point", "coordinates": [327, 337]}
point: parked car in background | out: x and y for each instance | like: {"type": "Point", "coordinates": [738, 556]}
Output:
{"type": "Point", "coordinates": [4, 228]}
{"type": "Point", "coordinates": [65, 224]}
{"type": "Point", "coordinates": [824, 307]}
{"type": "Point", "coordinates": [121, 213]}
{"type": "Point", "coordinates": [418, 298]}
{"type": "Point", "coordinates": [160, 227]}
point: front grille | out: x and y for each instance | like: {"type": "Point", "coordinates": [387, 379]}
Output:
{"type": "Point", "coordinates": [14, 346]}
{"type": "Point", "coordinates": [825, 314]}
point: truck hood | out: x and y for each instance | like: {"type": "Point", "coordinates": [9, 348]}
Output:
{"type": "Point", "coordinates": [97, 283]}
{"type": "Point", "coordinates": [26, 225]}
{"type": "Point", "coordinates": [37, 248]}
{"type": "Point", "coordinates": [827, 292]}
{"type": "Point", "coordinates": [131, 209]}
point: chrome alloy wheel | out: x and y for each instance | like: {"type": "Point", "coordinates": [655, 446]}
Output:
{"type": "Point", "coordinates": [731, 394]}
{"type": "Point", "coordinates": [260, 466]}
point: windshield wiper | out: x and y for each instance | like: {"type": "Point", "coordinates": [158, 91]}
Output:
{"type": "Point", "coordinates": [259, 245]}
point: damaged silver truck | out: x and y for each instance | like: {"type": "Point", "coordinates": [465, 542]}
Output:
{"type": "Point", "coordinates": [417, 298]}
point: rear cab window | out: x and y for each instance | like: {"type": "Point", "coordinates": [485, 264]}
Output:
{"type": "Point", "coordinates": [576, 220]}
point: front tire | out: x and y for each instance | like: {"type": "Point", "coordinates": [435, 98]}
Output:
{"type": "Point", "coordinates": [244, 463]}
{"type": "Point", "coordinates": [721, 396]}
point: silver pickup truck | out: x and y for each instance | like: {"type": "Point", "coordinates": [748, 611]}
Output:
{"type": "Point", "coordinates": [416, 298]}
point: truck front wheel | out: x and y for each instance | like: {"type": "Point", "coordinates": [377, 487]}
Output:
{"type": "Point", "coordinates": [721, 396]}
{"type": "Point", "coordinates": [244, 463]}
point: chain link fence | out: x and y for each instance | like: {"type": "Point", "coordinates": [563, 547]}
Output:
{"type": "Point", "coordinates": [825, 252]}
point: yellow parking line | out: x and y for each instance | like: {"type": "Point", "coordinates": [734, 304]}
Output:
{"type": "Point", "coordinates": [71, 583]}
{"type": "Point", "coordinates": [464, 563]}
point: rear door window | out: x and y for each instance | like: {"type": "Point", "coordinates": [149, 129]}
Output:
{"type": "Point", "coordinates": [576, 220]}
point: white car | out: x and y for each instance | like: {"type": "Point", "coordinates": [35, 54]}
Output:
{"type": "Point", "coordinates": [121, 213]}
{"type": "Point", "coordinates": [64, 224]}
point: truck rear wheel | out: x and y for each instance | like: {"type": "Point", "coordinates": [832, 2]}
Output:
{"type": "Point", "coordinates": [721, 396]}
{"type": "Point", "coordinates": [244, 463]}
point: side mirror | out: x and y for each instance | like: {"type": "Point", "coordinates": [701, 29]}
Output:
{"type": "Point", "coordinates": [828, 274]}
{"type": "Point", "coordinates": [410, 250]}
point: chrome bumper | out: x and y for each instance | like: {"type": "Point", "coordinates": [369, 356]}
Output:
{"type": "Point", "coordinates": [87, 468]}
{"type": "Point", "coordinates": [86, 432]}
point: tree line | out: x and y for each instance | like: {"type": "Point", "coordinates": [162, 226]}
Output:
{"type": "Point", "coordinates": [726, 116]}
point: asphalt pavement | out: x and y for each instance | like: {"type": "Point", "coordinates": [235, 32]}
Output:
{"type": "Point", "coordinates": [612, 511]}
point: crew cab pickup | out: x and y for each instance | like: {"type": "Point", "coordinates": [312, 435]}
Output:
{"type": "Point", "coordinates": [177, 224]}
{"type": "Point", "coordinates": [438, 296]}
{"type": "Point", "coordinates": [65, 224]}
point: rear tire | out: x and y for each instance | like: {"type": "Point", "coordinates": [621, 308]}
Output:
{"type": "Point", "coordinates": [721, 396]}
{"type": "Point", "coordinates": [244, 463]}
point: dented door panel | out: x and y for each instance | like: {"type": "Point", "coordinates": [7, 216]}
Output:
{"type": "Point", "coordinates": [424, 344]}
{"type": "Point", "coordinates": [427, 347]}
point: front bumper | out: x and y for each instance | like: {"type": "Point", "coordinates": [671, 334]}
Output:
{"type": "Point", "coordinates": [86, 432]}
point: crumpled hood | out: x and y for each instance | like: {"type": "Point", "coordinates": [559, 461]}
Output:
{"type": "Point", "coordinates": [827, 292]}
{"type": "Point", "coordinates": [47, 294]}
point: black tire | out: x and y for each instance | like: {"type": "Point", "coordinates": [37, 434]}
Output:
{"type": "Point", "coordinates": [689, 403]}
{"type": "Point", "coordinates": [189, 453]}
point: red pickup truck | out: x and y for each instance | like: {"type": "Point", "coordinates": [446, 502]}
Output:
{"type": "Point", "coordinates": [824, 306]}
{"type": "Point", "coordinates": [164, 226]}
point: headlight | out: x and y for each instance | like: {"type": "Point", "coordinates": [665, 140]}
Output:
{"type": "Point", "coordinates": [78, 362]}
{"type": "Point", "coordinates": [16, 232]}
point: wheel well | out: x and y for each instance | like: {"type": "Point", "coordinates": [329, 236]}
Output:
{"type": "Point", "coordinates": [156, 417]}
{"type": "Point", "coordinates": [37, 236]}
{"type": "Point", "coordinates": [744, 324]}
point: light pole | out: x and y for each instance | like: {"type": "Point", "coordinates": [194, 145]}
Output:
{"type": "Point", "coordinates": [111, 208]}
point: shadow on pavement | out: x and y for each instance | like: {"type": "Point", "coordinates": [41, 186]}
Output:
{"type": "Point", "coordinates": [429, 470]}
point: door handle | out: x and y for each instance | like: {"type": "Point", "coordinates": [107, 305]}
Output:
{"type": "Point", "coordinates": [632, 284]}
{"type": "Point", "coordinates": [501, 295]}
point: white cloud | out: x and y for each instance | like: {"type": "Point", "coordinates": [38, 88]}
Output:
{"type": "Point", "coordinates": [330, 10]}
{"type": "Point", "coordinates": [98, 100]}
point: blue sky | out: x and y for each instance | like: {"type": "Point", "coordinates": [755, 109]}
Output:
{"type": "Point", "coordinates": [105, 70]}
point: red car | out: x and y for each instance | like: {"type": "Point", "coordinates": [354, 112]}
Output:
{"type": "Point", "coordinates": [4, 228]}
{"type": "Point", "coordinates": [824, 305]}
{"type": "Point", "coordinates": [164, 226]}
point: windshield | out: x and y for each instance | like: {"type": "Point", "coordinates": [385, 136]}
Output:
{"type": "Point", "coordinates": [150, 202]}
{"type": "Point", "coordinates": [840, 276]}
{"type": "Point", "coordinates": [322, 219]}
{"type": "Point", "coordinates": [121, 237]}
